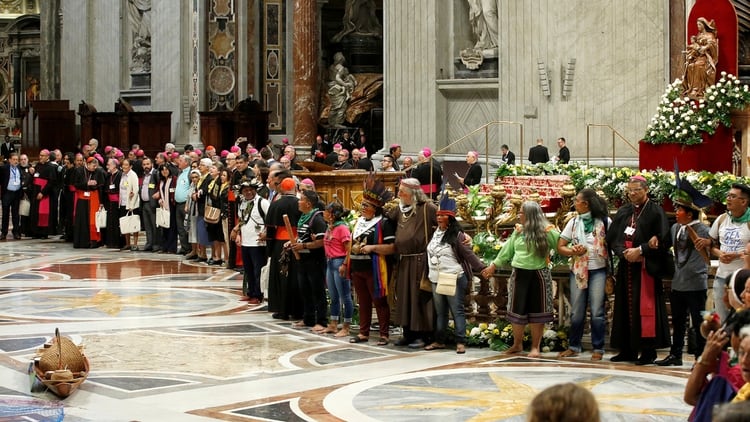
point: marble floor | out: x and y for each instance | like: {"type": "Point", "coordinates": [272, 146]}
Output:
{"type": "Point", "coordinates": [171, 341]}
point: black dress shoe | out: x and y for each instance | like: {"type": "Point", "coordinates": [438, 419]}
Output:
{"type": "Point", "coordinates": [670, 360]}
{"type": "Point", "coordinates": [623, 357]}
{"type": "Point", "coordinates": [647, 358]}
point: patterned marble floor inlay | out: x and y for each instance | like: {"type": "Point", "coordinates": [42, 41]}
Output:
{"type": "Point", "coordinates": [171, 341]}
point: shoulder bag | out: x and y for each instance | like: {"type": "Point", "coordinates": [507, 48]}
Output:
{"type": "Point", "coordinates": [211, 214]}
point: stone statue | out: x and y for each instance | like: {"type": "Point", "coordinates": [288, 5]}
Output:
{"type": "Point", "coordinates": [340, 87]}
{"type": "Point", "coordinates": [359, 19]}
{"type": "Point", "coordinates": [139, 12]}
{"type": "Point", "coordinates": [700, 60]}
{"type": "Point", "coordinates": [484, 25]}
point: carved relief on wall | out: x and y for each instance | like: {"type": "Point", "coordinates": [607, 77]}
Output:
{"type": "Point", "coordinates": [15, 8]}
{"type": "Point", "coordinates": [139, 19]}
{"type": "Point", "coordinates": [222, 55]}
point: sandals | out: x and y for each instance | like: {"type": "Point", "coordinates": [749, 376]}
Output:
{"type": "Point", "coordinates": [434, 346]}
{"type": "Point", "coordinates": [359, 339]}
{"type": "Point", "coordinates": [567, 354]}
{"type": "Point", "coordinates": [298, 325]}
{"type": "Point", "coordinates": [460, 348]}
{"type": "Point", "coordinates": [383, 341]}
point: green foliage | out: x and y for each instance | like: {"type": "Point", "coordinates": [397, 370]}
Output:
{"type": "Point", "coordinates": [682, 120]}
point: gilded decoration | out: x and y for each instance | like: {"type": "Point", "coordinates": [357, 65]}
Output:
{"type": "Point", "coordinates": [272, 42]}
{"type": "Point", "coordinates": [368, 86]}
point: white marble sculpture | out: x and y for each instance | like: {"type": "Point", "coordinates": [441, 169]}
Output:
{"type": "Point", "coordinates": [139, 12]}
{"type": "Point", "coordinates": [340, 87]}
{"type": "Point", "coordinates": [484, 23]}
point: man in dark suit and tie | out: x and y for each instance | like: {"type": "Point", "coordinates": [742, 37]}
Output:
{"type": "Point", "coordinates": [149, 186]}
{"type": "Point", "coordinates": [10, 186]}
{"type": "Point", "coordinates": [7, 147]}
{"type": "Point", "coordinates": [539, 153]}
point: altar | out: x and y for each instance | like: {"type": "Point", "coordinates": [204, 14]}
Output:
{"type": "Point", "coordinates": [548, 188]}
{"type": "Point", "coordinates": [347, 185]}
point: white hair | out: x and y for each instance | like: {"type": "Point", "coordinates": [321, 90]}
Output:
{"type": "Point", "coordinates": [206, 162]}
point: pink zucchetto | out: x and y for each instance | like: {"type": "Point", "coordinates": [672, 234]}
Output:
{"type": "Point", "coordinates": [118, 153]}
{"type": "Point", "coordinates": [426, 152]}
{"type": "Point", "coordinates": [198, 152]}
{"type": "Point", "coordinates": [140, 153]}
{"type": "Point", "coordinates": [44, 152]}
{"type": "Point", "coordinates": [638, 178]}
{"type": "Point", "coordinates": [224, 153]}
{"type": "Point", "coordinates": [252, 151]}
{"type": "Point", "coordinates": [99, 159]}
{"type": "Point", "coordinates": [337, 147]}
{"type": "Point", "coordinates": [474, 154]}
{"type": "Point", "coordinates": [285, 141]}
{"type": "Point", "coordinates": [107, 149]}
{"type": "Point", "coordinates": [175, 155]}
{"type": "Point", "coordinates": [235, 149]}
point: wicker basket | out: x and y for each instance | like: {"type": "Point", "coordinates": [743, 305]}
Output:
{"type": "Point", "coordinates": [63, 354]}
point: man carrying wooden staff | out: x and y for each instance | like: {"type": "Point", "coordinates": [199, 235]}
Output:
{"type": "Point", "coordinates": [284, 297]}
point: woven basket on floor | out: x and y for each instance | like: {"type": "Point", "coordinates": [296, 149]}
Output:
{"type": "Point", "coordinates": [63, 354]}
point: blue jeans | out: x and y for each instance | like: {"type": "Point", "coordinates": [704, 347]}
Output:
{"type": "Point", "coordinates": [339, 290]}
{"type": "Point", "coordinates": [456, 305]}
{"type": "Point", "coordinates": [579, 298]}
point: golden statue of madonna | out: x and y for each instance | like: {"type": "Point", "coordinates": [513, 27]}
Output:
{"type": "Point", "coordinates": [700, 60]}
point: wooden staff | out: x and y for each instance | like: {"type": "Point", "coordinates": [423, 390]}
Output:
{"type": "Point", "coordinates": [694, 237]}
{"type": "Point", "coordinates": [292, 237]}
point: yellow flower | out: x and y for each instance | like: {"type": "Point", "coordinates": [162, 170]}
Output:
{"type": "Point", "coordinates": [476, 248]}
{"type": "Point", "coordinates": [483, 326]}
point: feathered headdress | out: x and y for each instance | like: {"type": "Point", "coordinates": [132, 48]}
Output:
{"type": "Point", "coordinates": [447, 205]}
{"type": "Point", "coordinates": [375, 192]}
{"type": "Point", "coordinates": [689, 195]}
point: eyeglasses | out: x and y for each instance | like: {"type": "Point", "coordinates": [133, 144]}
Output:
{"type": "Point", "coordinates": [735, 196]}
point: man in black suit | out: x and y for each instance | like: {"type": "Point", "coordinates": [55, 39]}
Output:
{"type": "Point", "coordinates": [508, 157]}
{"type": "Point", "coordinates": [538, 153]}
{"type": "Point", "coordinates": [10, 186]}
{"type": "Point", "coordinates": [563, 157]}
{"type": "Point", "coordinates": [149, 186]}
{"type": "Point", "coordinates": [6, 148]}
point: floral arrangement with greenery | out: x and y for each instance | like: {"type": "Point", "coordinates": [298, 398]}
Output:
{"type": "Point", "coordinates": [681, 120]}
{"type": "Point", "coordinates": [613, 180]}
{"type": "Point", "coordinates": [498, 336]}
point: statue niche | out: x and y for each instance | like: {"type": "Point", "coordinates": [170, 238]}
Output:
{"type": "Point", "coordinates": [345, 96]}
{"type": "Point", "coordinates": [139, 20]}
{"type": "Point", "coordinates": [479, 60]}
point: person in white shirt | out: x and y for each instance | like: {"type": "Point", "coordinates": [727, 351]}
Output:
{"type": "Point", "coordinates": [246, 234]}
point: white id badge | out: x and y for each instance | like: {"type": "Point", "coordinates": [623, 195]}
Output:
{"type": "Point", "coordinates": [111, 186]}
{"type": "Point", "coordinates": [87, 194]}
{"type": "Point", "coordinates": [629, 231]}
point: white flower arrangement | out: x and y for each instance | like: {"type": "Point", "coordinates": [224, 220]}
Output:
{"type": "Point", "coordinates": [681, 120]}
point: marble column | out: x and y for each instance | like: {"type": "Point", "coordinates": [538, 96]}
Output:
{"type": "Point", "coordinates": [50, 49]}
{"type": "Point", "coordinates": [305, 62]}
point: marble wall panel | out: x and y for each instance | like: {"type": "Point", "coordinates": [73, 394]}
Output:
{"type": "Point", "coordinates": [410, 69]}
{"type": "Point", "coordinates": [168, 36]}
{"type": "Point", "coordinates": [75, 64]}
{"type": "Point", "coordinates": [273, 63]}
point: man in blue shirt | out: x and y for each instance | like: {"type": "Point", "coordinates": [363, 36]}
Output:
{"type": "Point", "coordinates": [10, 186]}
{"type": "Point", "coordinates": [180, 198]}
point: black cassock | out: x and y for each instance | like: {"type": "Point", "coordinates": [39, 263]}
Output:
{"type": "Point", "coordinates": [630, 317]}
{"type": "Point", "coordinates": [87, 201]}
{"type": "Point", "coordinates": [44, 181]}
{"type": "Point", "coordinates": [284, 297]}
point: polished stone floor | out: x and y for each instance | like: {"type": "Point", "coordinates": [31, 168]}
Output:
{"type": "Point", "coordinates": [171, 341]}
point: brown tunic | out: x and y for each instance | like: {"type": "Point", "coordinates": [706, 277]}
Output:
{"type": "Point", "coordinates": [414, 307]}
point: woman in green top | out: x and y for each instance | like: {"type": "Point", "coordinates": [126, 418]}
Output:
{"type": "Point", "coordinates": [530, 284]}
